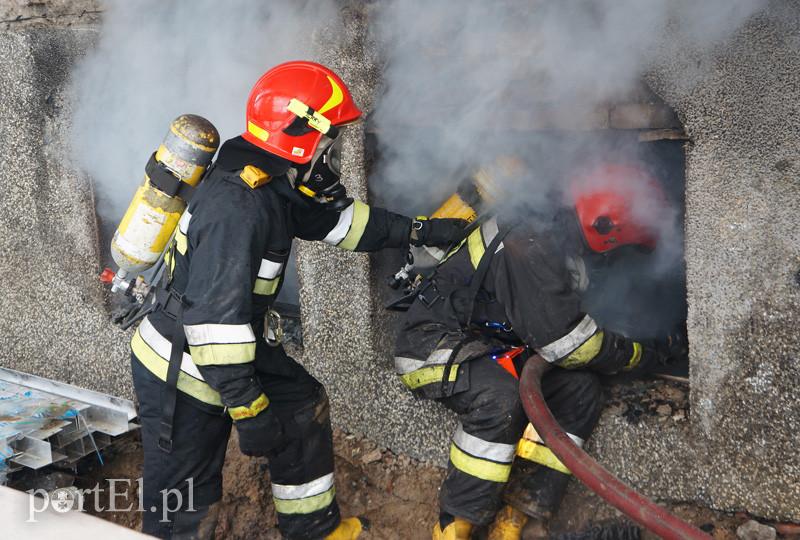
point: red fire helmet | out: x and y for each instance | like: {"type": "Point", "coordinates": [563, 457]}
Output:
{"type": "Point", "coordinates": [292, 105]}
{"type": "Point", "coordinates": [619, 204]}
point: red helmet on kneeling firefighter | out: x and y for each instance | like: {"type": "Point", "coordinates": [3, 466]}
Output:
{"type": "Point", "coordinates": [295, 111]}
{"type": "Point", "coordinates": [619, 204]}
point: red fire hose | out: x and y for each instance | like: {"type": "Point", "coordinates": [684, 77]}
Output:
{"type": "Point", "coordinates": [639, 508]}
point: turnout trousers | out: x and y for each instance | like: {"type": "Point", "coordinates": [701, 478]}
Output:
{"type": "Point", "coordinates": [301, 473]}
{"type": "Point", "coordinates": [490, 461]}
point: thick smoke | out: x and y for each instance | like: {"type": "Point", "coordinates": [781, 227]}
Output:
{"type": "Point", "coordinates": [481, 71]}
{"type": "Point", "coordinates": [156, 60]}
{"type": "Point", "coordinates": [467, 81]}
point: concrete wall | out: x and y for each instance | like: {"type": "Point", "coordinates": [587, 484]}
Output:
{"type": "Point", "coordinates": [743, 254]}
{"type": "Point", "coordinates": [53, 318]}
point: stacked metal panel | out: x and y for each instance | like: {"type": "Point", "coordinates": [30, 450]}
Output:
{"type": "Point", "coordinates": [44, 422]}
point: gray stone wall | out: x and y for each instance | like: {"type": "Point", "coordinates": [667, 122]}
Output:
{"type": "Point", "coordinates": [743, 255]}
{"type": "Point", "coordinates": [53, 317]}
{"type": "Point", "coordinates": [347, 335]}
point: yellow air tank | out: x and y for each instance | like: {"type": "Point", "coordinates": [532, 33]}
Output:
{"type": "Point", "coordinates": [156, 208]}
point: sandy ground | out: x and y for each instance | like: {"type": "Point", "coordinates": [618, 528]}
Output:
{"type": "Point", "coordinates": [396, 494]}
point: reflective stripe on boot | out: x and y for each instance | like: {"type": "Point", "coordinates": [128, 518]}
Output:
{"type": "Point", "coordinates": [508, 524]}
{"type": "Point", "coordinates": [459, 529]}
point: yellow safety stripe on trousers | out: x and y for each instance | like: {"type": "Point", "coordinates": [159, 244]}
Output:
{"type": "Point", "coordinates": [476, 247]}
{"type": "Point", "coordinates": [540, 454]}
{"type": "Point", "coordinates": [181, 242]}
{"type": "Point", "coordinates": [266, 286]}
{"type": "Point", "coordinates": [583, 354]}
{"type": "Point", "coordinates": [158, 367]}
{"type": "Point", "coordinates": [216, 354]}
{"type": "Point", "coordinates": [479, 468]}
{"type": "Point", "coordinates": [428, 375]}
{"type": "Point", "coordinates": [357, 227]}
{"type": "Point", "coordinates": [305, 506]}
{"type": "Point", "coordinates": [249, 411]}
{"type": "Point", "coordinates": [636, 357]}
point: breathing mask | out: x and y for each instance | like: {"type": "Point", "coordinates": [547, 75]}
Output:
{"type": "Point", "coordinates": [320, 178]}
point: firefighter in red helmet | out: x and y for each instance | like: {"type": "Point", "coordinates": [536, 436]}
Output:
{"type": "Point", "coordinates": [207, 358]}
{"type": "Point", "coordinates": [508, 291]}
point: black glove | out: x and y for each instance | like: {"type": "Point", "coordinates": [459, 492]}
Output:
{"type": "Point", "coordinates": [661, 355]}
{"type": "Point", "coordinates": [260, 435]}
{"type": "Point", "coordinates": [437, 231]}
{"type": "Point", "coordinates": [676, 345]}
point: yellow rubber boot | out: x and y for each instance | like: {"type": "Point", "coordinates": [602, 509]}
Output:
{"type": "Point", "coordinates": [508, 524]}
{"type": "Point", "coordinates": [348, 529]}
{"type": "Point", "coordinates": [459, 529]}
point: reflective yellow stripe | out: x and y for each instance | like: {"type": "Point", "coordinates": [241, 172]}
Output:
{"type": "Point", "coordinates": [636, 357]}
{"type": "Point", "coordinates": [223, 353]}
{"type": "Point", "coordinates": [305, 506]}
{"type": "Point", "coordinates": [476, 247]}
{"type": "Point", "coordinates": [266, 286]}
{"type": "Point", "coordinates": [583, 354]}
{"type": "Point", "coordinates": [357, 227]}
{"type": "Point", "coordinates": [479, 468]}
{"type": "Point", "coordinates": [158, 367]}
{"type": "Point", "coordinates": [181, 242]}
{"type": "Point", "coordinates": [249, 411]}
{"type": "Point", "coordinates": [428, 375]}
{"type": "Point", "coordinates": [540, 454]}
{"type": "Point", "coordinates": [257, 131]}
{"type": "Point", "coordinates": [453, 251]}
{"type": "Point", "coordinates": [170, 262]}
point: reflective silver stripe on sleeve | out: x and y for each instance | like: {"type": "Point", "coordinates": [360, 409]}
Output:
{"type": "Point", "coordinates": [439, 356]}
{"type": "Point", "coordinates": [561, 348]}
{"type": "Point", "coordinates": [403, 365]}
{"type": "Point", "coordinates": [489, 231]}
{"type": "Point", "coordinates": [163, 348]}
{"type": "Point", "coordinates": [269, 269]}
{"type": "Point", "coordinates": [203, 334]}
{"type": "Point", "coordinates": [499, 452]}
{"type": "Point", "coordinates": [309, 489]}
{"type": "Point", "coordinates": [338, 233]}
{"type": "Point", "coordinates": [183, 224]}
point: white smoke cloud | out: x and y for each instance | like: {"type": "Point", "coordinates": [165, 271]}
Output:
{"type": "Point", "coordinates": [481, 71]}
{"type": "Point", "coordinates": [156, 60]}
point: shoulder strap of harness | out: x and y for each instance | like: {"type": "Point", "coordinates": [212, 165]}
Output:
{"type": "Point", "coordinates": [474, 286]}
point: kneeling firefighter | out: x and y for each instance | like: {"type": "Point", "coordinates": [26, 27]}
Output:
{"type": "Point", "coordinates": [510, 287]}
{"type": "Point", "coordinates": [204, 358]}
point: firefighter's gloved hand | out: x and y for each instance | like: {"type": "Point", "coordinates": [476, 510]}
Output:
{"type": "Point", "coordinates": [261, 435]}
{"type": "Point", "coordinates": [676, 346]}
{"type": "Point", "coordinates": [436, 231]}
{"type": "Point", "coordinates": [663, 354]}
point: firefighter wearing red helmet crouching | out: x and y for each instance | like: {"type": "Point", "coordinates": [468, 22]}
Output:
{"type": "Point", "coordinates": [205, 359]}
{"type": "Point", "coordinates": [501, 295]}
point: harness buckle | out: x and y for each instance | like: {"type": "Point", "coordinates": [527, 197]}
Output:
{"type": "Point", "coordinates": [425, 300]}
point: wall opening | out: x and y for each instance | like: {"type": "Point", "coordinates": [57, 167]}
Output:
{"type": "Point", "coordinates": [640, 295]}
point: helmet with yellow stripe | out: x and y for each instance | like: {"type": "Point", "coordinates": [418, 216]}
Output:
{"type": "Point", "coordinates": [293, 105]}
